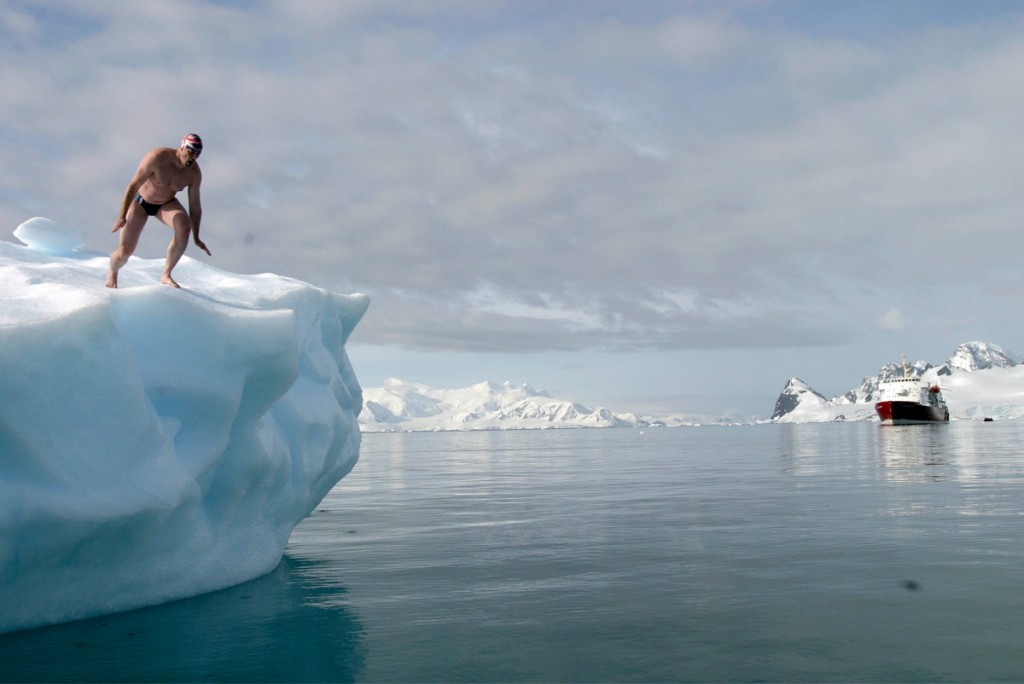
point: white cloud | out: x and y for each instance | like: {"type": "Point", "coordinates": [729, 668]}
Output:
{"type": "Point", "coordinates": [768, 178]}
{"type": "Point", "coordinates": [893, 321]}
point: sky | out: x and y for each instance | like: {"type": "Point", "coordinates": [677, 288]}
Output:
{"type": "Point", "coordinates": [663, 207]}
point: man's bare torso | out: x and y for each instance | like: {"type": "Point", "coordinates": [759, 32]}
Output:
{"type": "Point", "coordinates": [168, 176]}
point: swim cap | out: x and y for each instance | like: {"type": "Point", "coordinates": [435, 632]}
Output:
{"type": "Point", "coordinates": [193, 142]}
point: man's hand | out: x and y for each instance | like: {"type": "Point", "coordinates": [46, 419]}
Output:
{"type": "Point", "coordinates": [119, 224]}
{"type": "Point", "coordinates": [202, 245]}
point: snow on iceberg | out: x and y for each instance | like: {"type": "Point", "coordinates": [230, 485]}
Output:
{"type": "Point", "coordinates": [159, 443]}
{"type": "Point", "coordinates": [49, 236]}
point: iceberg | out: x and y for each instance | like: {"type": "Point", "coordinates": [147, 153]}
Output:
{"type": "Point", "coordinates": [158, 443]}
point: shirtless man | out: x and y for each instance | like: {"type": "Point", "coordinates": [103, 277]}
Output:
{"type": "Point", "coordinates": [162, 174]}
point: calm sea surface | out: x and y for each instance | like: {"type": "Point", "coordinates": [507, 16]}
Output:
{"type": "Point", "coordinates": [798, 553]}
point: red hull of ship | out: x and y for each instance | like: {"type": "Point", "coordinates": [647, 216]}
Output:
{"type": "Point", "coordinates": [910, 413]}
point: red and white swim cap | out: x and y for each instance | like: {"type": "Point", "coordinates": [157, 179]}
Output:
{"type": "Point", "coordinates": [193, 142]}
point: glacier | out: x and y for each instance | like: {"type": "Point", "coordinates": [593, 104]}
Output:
{"type": "Point", "coordinates": [158, 443]}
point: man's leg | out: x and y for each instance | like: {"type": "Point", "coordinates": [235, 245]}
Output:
{"type": "Point", "coordinates": [129, 240]}
{"type": "Point", "coordinates": [173, 214]}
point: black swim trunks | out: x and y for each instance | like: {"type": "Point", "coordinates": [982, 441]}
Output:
{"type": "Point", "coordinates": [148, 207]}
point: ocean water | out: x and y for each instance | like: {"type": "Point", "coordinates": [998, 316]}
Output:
{"type": "Point", "coordinates": [789, 553]}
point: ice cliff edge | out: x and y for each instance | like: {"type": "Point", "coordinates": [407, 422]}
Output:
{"type": "Point", "coordinates": [158, 443]}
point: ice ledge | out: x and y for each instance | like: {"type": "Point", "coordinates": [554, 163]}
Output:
{"type": "Point", "coordinates": [158, 443]}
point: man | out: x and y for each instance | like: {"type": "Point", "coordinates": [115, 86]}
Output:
{"type": "Point", "coordinates": [162, 174]}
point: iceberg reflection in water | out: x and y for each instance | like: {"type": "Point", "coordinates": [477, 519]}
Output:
{"type": "Point", "coordinates": [275, 628]}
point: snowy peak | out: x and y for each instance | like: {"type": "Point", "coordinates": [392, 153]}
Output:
{"type": "Point", "coordinates": [796, 397]}
{"type": "Point", "coordinates": [972, 356]}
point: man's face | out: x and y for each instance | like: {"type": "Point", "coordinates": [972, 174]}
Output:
{"type": "Point", "coordinates": [189, 154]}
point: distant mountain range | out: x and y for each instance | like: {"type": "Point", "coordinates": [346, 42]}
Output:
{"type": "Point", "coordinates": [979, 380]}
{"type": "Point", "coordinates": [401, 406]}
{"type": "Point", "coordinates": [406, 406]}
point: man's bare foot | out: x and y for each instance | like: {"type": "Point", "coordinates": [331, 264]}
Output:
{"type": "Point", "coordinates": [168, 280]}
{"type": "Point", "coordinates": [112, 280]}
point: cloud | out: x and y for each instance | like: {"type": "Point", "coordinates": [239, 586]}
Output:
{"type": "Point", "coordinates": [513, 176]}
{"type": "Point", "coordinates": [892, 320]}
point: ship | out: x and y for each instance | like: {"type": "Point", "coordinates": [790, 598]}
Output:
{"type": "Point", "coordinates": [909, 400]}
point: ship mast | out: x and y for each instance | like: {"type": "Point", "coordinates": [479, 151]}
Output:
{"type": "Point", "coordinates": [904, 365]}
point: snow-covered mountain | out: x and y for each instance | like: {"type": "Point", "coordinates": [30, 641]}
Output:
{"type": "Point", "coordinates": [401, 406]}
{"type": "Point", "coordinates": [798, 396]}
{"type": "Point", "coordinates": [406, 406]}
{"type": "Point", "coordinates": [979, 380]}
{"type": "Point", "coordinates": [973, 356]}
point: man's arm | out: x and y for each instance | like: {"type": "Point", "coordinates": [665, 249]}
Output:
{"type": "Point", "coordinates": [195, 209]}
{"type": "Point", "coordinates": [142, 174]}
